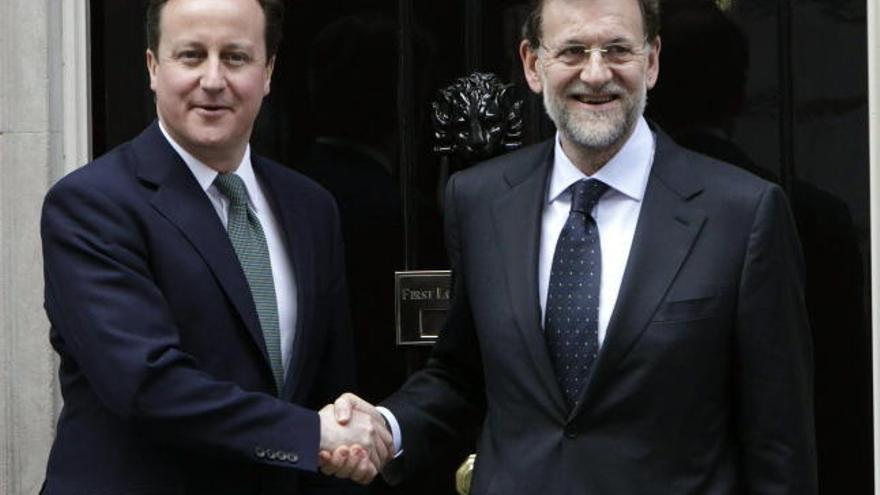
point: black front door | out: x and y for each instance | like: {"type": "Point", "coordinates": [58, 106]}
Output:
{"type": "Point", "coordinates": [776, 87]}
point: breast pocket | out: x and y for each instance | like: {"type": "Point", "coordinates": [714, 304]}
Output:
{"type": "Point", "coordinates": [697, 303]}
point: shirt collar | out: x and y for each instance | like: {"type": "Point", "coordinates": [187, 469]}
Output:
{"type": "Point", "coordinates": [626, 172]}
{"type": "Point", "coordinates": [205, 175]}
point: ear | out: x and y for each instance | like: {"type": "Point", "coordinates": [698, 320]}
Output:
{"type": "Point", "coordinates": [270, 68]}
{"type": "Point", "coordinates": [653, 69]}
{"type": "Point", "coordinates": [530, 62]}
{"type": "Point", "coordinates": [152, 66]}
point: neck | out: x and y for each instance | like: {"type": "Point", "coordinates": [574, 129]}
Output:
{"type": "Point", "coordinates": [223, 161]}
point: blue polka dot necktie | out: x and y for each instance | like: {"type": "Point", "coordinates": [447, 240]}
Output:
{"type": "Point", "coordinates": [572, 313]}
{"type": "Point", "coordinates": [249, 243]}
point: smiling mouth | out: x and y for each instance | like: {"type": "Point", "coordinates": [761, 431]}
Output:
{"type": "Point", "coordinates": [595, 99]}
{"type": "Point", "coordinates": [211, 108]}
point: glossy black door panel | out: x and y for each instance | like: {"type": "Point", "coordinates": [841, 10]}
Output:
{"type": "Point", "coordinates": [774, 86]}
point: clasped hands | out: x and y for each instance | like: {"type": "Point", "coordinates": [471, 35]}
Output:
{"type": "Point", "coordinates": [355, 442]}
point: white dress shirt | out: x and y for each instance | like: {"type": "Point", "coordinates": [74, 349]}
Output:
{"type": "Point", "coordinates": [282, 269]}
{"type": "Point", "coordinates": [616, 214]}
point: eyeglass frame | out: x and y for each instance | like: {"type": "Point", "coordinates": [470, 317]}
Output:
{"type": "Point", "coordinates": [588, 52]}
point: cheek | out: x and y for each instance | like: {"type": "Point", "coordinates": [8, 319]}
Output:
{"type": "Point", "coordinates": [633, 80]}
{"type": "Point", "coordinates": [174, 85]}
{"type": "Point", "coordinates": [252, 90]}
{"type": "Point", "coordinates": [557, 86]}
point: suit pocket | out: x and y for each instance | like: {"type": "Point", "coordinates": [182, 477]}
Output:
{"type": "Point", "coordinates": [697, 304]}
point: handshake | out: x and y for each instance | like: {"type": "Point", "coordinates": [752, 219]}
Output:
{"type": "Point", "coordinates": [355, 441]}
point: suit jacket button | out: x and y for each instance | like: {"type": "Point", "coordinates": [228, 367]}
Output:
{"type": "Point", "coordinates": [292, 457]}
{"type": "Point", "coordinates": [571, 432]}
{"type": "Point", "coordinates": [272, 454]}
{"type": "Point", "coordinates": [260, 452]}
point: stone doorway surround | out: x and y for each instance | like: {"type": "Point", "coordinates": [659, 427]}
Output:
{"type": "Point", "coordinates": [44, 133]}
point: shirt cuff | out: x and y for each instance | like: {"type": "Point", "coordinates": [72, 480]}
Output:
{"type": "Point", "coordinates": [395, 429]}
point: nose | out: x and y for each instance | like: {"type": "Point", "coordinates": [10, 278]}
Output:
{"type": "Point", "coordinates": [214, 77]}
{"type": "Point", "coordinates": [595, 70]}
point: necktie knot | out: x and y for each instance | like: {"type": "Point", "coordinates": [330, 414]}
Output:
{"type": "Point", "coordinates": [231, 186]}
{"type": "Point", "coordinates": [585, 194]}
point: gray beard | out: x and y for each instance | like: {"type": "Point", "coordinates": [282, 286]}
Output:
{"type": "Point", "coordinates": [595, 131]}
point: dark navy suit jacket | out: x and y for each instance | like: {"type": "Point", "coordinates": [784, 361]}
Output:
{"type": "Point", "coordinates": [166, 383]}
{"type": "Point", "coordinates": [704, 381]}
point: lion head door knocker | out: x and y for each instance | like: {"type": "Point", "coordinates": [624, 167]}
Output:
{"type": "Point", "coordinates": [475, 118]}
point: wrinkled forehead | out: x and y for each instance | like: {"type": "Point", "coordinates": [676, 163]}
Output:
{"type": "Point", "coordinates": [588, 21]}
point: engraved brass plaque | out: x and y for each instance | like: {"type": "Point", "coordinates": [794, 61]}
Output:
{"type": "Point", "coordinates": [421, 303]}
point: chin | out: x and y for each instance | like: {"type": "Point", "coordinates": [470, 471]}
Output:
{"type": "Point", "coordinates": [591, 137]}
{"type": "Point", "coordinates": [213, 139]}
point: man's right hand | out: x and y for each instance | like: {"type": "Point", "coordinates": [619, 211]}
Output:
{"type": "Point", "coordinates": [355, 442]}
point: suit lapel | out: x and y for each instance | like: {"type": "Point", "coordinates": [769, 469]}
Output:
{"type": "Point", "coordinates": [667, 228]}
{"type": "Point", "coordinates": [180, 199]}
{"type": "Point", "coordinates": [517, 216]}
{"type": "Point", "coordinates": [299, 239]}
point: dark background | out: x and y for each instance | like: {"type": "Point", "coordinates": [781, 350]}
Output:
{"type": "Point", "coordinates": [775, 86]}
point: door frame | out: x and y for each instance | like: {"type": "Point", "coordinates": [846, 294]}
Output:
{"type": "Point", "coordinates": [76, 131]}
{"type": "Point", "coordinates": [874, 144]}
{"type": "Point", "coordinates": [76, 107]}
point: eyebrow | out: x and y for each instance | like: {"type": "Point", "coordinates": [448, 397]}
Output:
{"type": "Point", "coordinates": [612, 41]}
{"type": "Point", "coordinates": [238, 46]}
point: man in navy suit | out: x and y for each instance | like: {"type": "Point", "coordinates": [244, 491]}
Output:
{"type": "Point", "coordinates": [196, 291]}
{"type": "Point", "coordinates": [628, 316]}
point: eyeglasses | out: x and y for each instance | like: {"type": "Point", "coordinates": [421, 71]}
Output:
{"type": "Point", "coordinates": [578, 56]}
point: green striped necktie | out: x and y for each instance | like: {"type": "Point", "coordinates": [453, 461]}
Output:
{"type": "Point", "coordinates": [249, 242]}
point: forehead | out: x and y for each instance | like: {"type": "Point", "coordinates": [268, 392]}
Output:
{"type": "Point", "coordinates": [590, 20]}
{"type": "Point", "coordinates": [238, 21]}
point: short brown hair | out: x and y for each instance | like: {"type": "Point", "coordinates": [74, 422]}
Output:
{"type": "Point", "coordinates": [272, 9]}
{"type": "Point", "coordinates": [650, 20]}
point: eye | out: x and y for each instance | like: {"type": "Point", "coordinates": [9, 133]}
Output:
{"type": "Point", "coordinates": [618, 50]}
{"type": "Point", "coordinates": [571, 54]}
{"type": "Point", "coordinates": [190, 56]}
{"type": "Point", "coordinates": [618, 53]}
{"type": "Point", "coordinates": [236, 58]}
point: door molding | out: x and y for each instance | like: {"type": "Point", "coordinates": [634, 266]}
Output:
{"type": "Point", "coordinates": [76, 84]}
{"type": "Point", "coordinates": [874, 144]}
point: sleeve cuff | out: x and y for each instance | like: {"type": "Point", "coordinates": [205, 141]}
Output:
{"type": "Point", "coordinates": [395, 429]}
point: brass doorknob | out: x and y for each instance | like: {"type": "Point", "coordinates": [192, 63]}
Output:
{"type": "Point", "coordinates": [464, 474]}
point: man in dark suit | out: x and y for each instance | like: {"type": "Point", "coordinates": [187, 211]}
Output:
{"type": "Point", "coordinates": [628, 315]}
{"type": "Point", "coordinates": [196, 291]}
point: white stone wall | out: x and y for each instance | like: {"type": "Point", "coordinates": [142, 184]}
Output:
{"type": "Point", "coordinates": [42, 92]}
